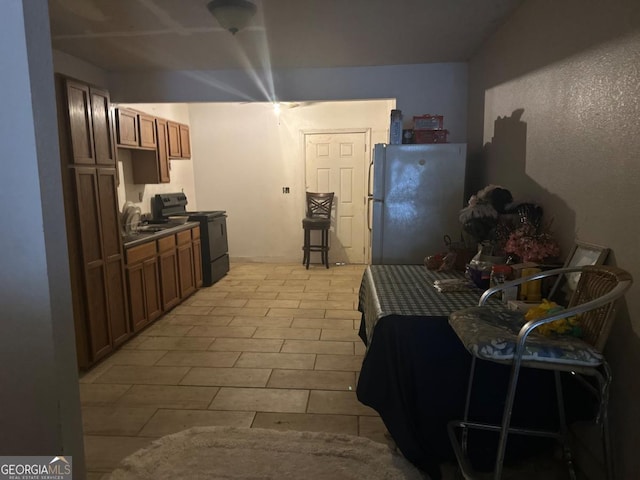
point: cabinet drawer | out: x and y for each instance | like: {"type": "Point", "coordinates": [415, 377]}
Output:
{"type": "Point", "coordinates": [184, 237]}
{"type": "Point", "coordinates": [166, 243]}
{"type": "Point", "coordinates": [140, 252]}
{"type": "Point", "coordinates": [195, 233]}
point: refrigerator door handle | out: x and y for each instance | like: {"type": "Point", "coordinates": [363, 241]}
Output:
{"type": "Point", "coordinates": [369, 186]}
{"type": "Point", "coordinates": [369, 212]}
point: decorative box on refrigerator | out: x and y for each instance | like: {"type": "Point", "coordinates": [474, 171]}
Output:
{"type": "Point", "coordinates": [418, 191]}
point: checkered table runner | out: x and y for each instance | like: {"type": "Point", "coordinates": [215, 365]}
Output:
{"type": "Point", "coordinates": [408, 290]}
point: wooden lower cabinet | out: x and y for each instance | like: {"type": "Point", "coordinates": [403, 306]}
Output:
{"type": "Point", "coordinates": [197, 260]}
{"type": "Point", "coordinates": [143, 281]}
{"type": "Point", "coordinates": [168, 261]}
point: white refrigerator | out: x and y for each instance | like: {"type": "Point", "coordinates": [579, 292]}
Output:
{"type": "Point", "coordinates": [417, 194]}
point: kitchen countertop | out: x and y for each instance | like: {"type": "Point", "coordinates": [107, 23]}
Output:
{"type": "Point", "coordinates": [165, 229]}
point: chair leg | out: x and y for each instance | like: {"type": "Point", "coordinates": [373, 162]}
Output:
{"type": "Point", "coordinates": [465, 431]}
{"type": "Point", "coordinates": [506, 418]}
{"type": "Point", "coordinates": [564, 431]}
{"type": "Point", "coordinates": [603, 418]}
{"type": "Point", "coordinates": [307, 247]}
{"type": "Point", "coordinates": [325, 246]}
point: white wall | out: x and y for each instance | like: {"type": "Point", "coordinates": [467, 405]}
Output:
{"type": "Point", "coordinates": [181, 170]}
{"type": "Point", "coordinates": [244, 154]}
{"type": "Point", "coordinates": [439, 88]}
{"type": "Point", "coordinates": [554, 104]}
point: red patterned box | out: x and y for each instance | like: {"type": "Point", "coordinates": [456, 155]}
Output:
{"type": "Point", "coordinates": [431, 136]}
{"type": "Point", "coordinates": [428, 122]}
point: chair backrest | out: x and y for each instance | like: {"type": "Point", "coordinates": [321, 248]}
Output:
{"type": "Point", "coordinates": [596, 281]}
{"type": "Point", "coordinates": [319, 205]}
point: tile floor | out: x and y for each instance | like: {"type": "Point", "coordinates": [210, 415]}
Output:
{"type": "Point", "coordinates": [269, 346]}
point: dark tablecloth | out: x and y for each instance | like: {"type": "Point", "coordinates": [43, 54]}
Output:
{"type": "Point", "coordinates": [415, 370]}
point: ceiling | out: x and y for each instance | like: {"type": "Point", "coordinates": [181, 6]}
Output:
{"type": "Point", "coordinates": [129, 35]}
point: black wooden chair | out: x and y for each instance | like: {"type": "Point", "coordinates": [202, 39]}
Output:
{"type": "Point", "coordinates": [318, 218]}
{"type": "Point", "coordinates": [502, 336]}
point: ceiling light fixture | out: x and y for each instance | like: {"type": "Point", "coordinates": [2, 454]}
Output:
{"type": "Point", "coordinates": [232, 15]}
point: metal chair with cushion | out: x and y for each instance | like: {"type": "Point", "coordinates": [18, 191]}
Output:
{"type": "Point", "coordinates": [318, 218]}
{"type": "Point", "coordinates": [503, 336]}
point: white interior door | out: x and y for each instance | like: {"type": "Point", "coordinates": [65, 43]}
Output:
{"type": "Point", "coordinates": [335, 162]}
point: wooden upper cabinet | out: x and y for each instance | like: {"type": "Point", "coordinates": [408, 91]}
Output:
{"type": "Point", "coordinates": [147, 126]}
{"type": "Point", "coordinates": [80, 123]}
{"type": "Point", "coordinates": [163, 151]}
{"type": "Point", "coordinates": [185, 142]}
{"type": "Point", "coordinates": [128, 133]}
{"type": "Point", "coordinates": [103, 128]}
{"type": "Point", "coordinates": [173, 134]}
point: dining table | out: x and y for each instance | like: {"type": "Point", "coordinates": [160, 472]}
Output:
{"type": "Point", "coordinates": [415, 370]}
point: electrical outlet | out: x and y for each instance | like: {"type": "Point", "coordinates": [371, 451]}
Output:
{"type": "Point", "coordinates": [285, 190]}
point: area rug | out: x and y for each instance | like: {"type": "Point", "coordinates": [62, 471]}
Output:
{"type": "Point", "coordinates": [256, 454]}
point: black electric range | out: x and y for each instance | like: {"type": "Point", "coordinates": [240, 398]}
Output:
{"type": "Point", "coordinates": [213, 232]}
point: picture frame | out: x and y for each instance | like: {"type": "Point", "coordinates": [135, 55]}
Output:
{"type": "Point", "coordinates": [581, 254]}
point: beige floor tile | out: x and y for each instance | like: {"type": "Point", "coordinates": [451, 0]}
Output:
{"type": "Point", "coordinates": [312, 380]}
{"type": "Point", "coordinates": [98, 370]}
{"type": "Point", "coordinates": [349, 314]}
{"type": "Point", "coordinates": [279, 303]}
{"type": "Point", "coordinates": [219, 302]}
{"type": "Point", "coordinates": [254, 295]}
{"type": "Point", "coordinates": [307, 422]}
{"type": "Point", "coordinates": [243, 311]}
{"type": "Point", "coordinates": [327, 304]}
{"type": "Point", "coordinates": [280, 288]}
{"type": "Point", "coordinates": [261, 400]}
{"type": "Point", "coordinates": [322, 323]}
{"type": "Point", "coordinates": [193, 320]}
{"type": "Point", "coordinates": [373, 428]}
{"type": "Point", "coordinates": [199, 359]}
{"type": "Point", "coordinates": [349, 363]}
{"type": "Point", "coordinates": [166, 422]}
{"type": "Point", "coordinates": [317, 346]}
{"type": "Point", "coordinates": [288, 276]}
{"type": "Point", "coordinates": [136, 357]}
{"type": "Point", "coordinates": [239, 288]}
{"type": "Point", "coordinates": [303, 361]}
{"type": "Point", "coordinates": [125, 374]}
{"type": "Point", "coordinates": [115, 419]}
{"type": "Point", "coordinates": [302, 296]}
{"type": "Point", "coordinates": [279, 322]}
{"type": "Point", "coordinates": [344, 297]}
{"type": "Point", "coordinates": [288, 333]}
{"type": "Point", "coordinates": [103, 453]}
{"type": "Point", "coordinates": [343, 403]}
{"type": "Point", "coordinates": [246, 345]}
{"type": "Point", "coordinates": [227, 377]}
{"type": "Point", "coordinates": [163, 396]}
{"type": "Point", "coordinates": [359, 348]}
{"type": "Point", "coordinates": [209, 293]}
{"type": "Point", "coordinates": [276, 283]}
{"type": "Point", "coordinates": [100, 394]}
{"type": "Point", "coordinates": [296, 312]}
{"type": "Point", "coordinates": [133, 342]}
{"type": "Point", "coordinates": [187, 310]}
{"type": "Point", "coordinates": [176, 343]}
{"type": "Point", "coordinates": [314, 282]}
{"type": "Point", "coordinates": [166, 331]}
{"type": "Point", "coordinates": [229, 332]}
{"type": "Point", "coordinates": [343, 335]}
{"type": "Point", "coordinates": [329, 289]}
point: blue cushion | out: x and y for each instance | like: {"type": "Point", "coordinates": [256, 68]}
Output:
{"type": "Point", "coordinates": [491, 334]}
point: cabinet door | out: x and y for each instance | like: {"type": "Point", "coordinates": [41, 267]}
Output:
{"type": "Point", "coordinates": [197, 261]}
{"type": "Point", "coordinates": [127, 123]}
{"type": "Point", "coordinates": [185, 142]}
{"type": "Point", "coordinates": [173, 132]}
{"type": "Point", "coordinates": [137, 310]}
{"type": "Point", "coordinates": [147, 126]}
{"type": "Point", "coordinates": [163, 151]}
{"type": "Point", "coordinates": [80, 123]}
{"type": "Point", "coordinates": [152, 289]}
{"type": "Point", "coordinates": [169, 279]}
{"type": "Point", "coordinates": [113, 255]}
{"type": "Point", "coordinates": [103, 124]}
{"type": "Point", "coordinates": [95, 299]}
{"type": "Point", "coordinates": [186, 268]}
